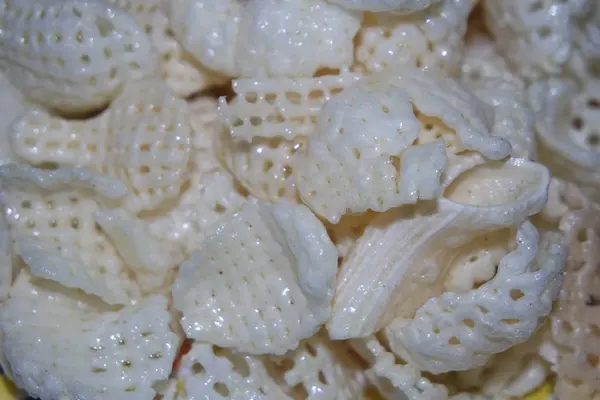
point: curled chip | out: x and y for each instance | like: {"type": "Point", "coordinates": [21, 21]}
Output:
{"type": "Point", "coordinates": [568, 128]}
{"type": "Point", "coordinates": [431, 39]}
{"type": "Point", "coordinates": [143, 139]}
{"type": "Point", "coordinates": [404, 255]}
{"type": "Point", "coordinates": [72, 55]}
{"type": "Point", "coordinates": [365, 154]}
{"type": "Point", "coordinates": [459, 331]}
{"type": "Point", "coordinates": [397, 6]}
{"type": "Point", "coordinates": [261, 282]}
{"type": "Point", "coordinates": [116, 354]}
{"type": "Point", "coordinates": [260, 38]}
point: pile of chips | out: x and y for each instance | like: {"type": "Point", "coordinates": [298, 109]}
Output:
{"type": "Point", "coordinates": [300, 199]}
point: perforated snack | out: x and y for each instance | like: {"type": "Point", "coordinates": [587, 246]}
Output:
{"type": "Point", "coordinates": [459, 331]}
{"type": "Point", "coordinates": [114, 354]}
{"type": "Point", "coordinates": [143, 139]}
{"type": "Point", "coordinates": [72, 55]}
{"type": "Point", "coordinates": [397, 6]}
{"type": "Point", "coordinates": [267, 274]}
{"type": "Point", "coordinates": [365, 156]}
{"type": "Point", "coordinates": [432, 243]}
{"type": "Point", "coordinates": [568, 128]}
{"type": "Point", "coordinates": [12, 106]}
{"type": "Point", "coordinates": [540, 38]}
{"type": "Point", "coordinates": [265, 38]}
{"type": "Point", "coordinates": [431, 39]}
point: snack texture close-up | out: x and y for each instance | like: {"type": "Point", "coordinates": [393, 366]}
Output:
{"type": "Point", "coordinates": [299, 199]}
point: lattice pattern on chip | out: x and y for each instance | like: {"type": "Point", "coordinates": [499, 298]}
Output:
{"type": "Point", "coordinates": [143, 138]}
{"type": "Point", "coordinates": [539, 37]}
{"type": "Point", "coordinates": [363, 155]}
{"type": "Point", "coordinates": [431, 39]}
{"type": "Point", "coordinates": [279, 107]}
{"type": "Point", "coordinates": [265, 38]}
{"type": "Point", "coordinates": [397, 6]}
{"type": "Point", "coordinates": [321, 368]}
{"type": "Point", "coordinates": [51, 219]}
{"type": "Point", "coordinates": [412, 249]}
{"type": "Point", "coordinates": [573, 345]}
{"type": "Point", "coordinates": [72, 55]}
{"type": "Point", "coordinates": [12, 106]}
{"type": "Point", "coordinates": [113, 354]}
{"type": "Point", "coordinates": [261, 282]}
{"type": "Point", "coordinates": [568, 128]}
{"type": "Point", "coordinates": [459, 331]}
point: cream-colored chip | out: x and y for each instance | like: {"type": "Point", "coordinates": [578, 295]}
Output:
{"type": "Point", "coordinates": [459, 331]}
{"type": "Point", "coordinates": [51, 218]}
{"type": "Point", "coordinates": [265, 38]}
{"type": "Point", "coordinates": [12, 106]}
{"type": "Point", "coordinates": [60, 344]}
{"type": "Point", "coordinates": [143, 139]}
{"type": "Point", "coordinates": [404, 255]}
{"type": "Point", "coordinates": [397, 6]}
{"type": "Point", "coordinates": [72, 55]}
{"type": "Point", "coordinates": [261, 282]}
{"type": "Point", "coordinates": [6, 259]}
{"type": "Point", "coordinates": [361, 157]}
{"type": "Point", "coordinates": [279, 107]}
{"type": "Point", "coordinates": [540, 37]}
{"type": "Point", "coordinates": [568, 129]}
{"type": "Point", "coordinates": [431, 39]}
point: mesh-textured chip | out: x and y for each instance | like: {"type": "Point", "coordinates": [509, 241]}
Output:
{"type": "Point", "coordinates": [210, 372]}
{"type": "Point", "coordinates": [459, 331]}
{"type": "Point", "coordinates": [397, 6]}
{"type": "Point", "coordinates": [279, 107]}
{"type": "Point", "coordinates": [261, 282]}
{"type": "Point", "coordinates": [143, 138]}
{"type": "Point", "coordinates": [568, 129]}
{"type": "Point", "coordinates": [12, 106]}
{"type": "Point", "coordinates": [361, 156]}
{"type": "Point", "coordinates": [265, 38]}
{"type": "Point", "coordinates": [404, 255]}
{"type": "Point", "coordinates": [431, 39]}
{"type": "Point", "coordinates": [539, 37]}
{"type": "Point", "coordinates": [111, 354]}
{"type": "Point", "coordinates": [51, 219]}
{"type": "Point", "coordinates": [72, 55]}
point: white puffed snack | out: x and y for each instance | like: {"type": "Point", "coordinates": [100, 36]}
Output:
{"type": "Point", "coordinates": [143, 139]}
{"type": "Point", "coordinates": [72, 55]}
{"type": "Point", "coordinates": [363, 156]}
{"type": "Point", "coordinates": [260, 38]}
{"type": "Point", "coordinates": [60, 344]}
{"type": "Point", "coordinates": [51, 217]}
{"type": "Point", "coordinates": [261, 282]}
{"type": "Point", "coordinates": [540, 38]}
{"type": "Point", "coordinates": [459, 331]}
{"type": "Point", "coordinates": [568, 128]}
{"type": "Point", "coordinates": [402, 258]}
{"type": "Point", "coordinates": [12, 106]}
{"type": "Point", "coordinates": [397, 6]}
{"type": "Point", "coordinates": [431, 39]}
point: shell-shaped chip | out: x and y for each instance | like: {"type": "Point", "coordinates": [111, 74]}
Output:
{"type": "Point", "coordinates": [568, 129]}
{"type": "Point", "coordinates": [363, 155]}
{"type": "Point", "coordinates": [143, 139]}
{"type": "Point", "coordinates": [540, 37]}
{"type": "Point", "coordinates": [12, 106]}
{"type": "Point", "coordinates": [430, 39]}
{"type": "Point", "coordinates": [72, 55]}
{"type": "Point", "coordinates": [404, 255]}
{"type": "Point", "coordinates": [261, 282]}
{"type": "Point", "coordinates": [51, 218]}
{"type": "Point", "coordinates": [279, 107]}
{"type": "Point", "coordinates": [111, 354]}
{"type": "Point", "coordinates": [397, 6]}
{"type": "Point", "coordinates": [265, 38]}
{"type": "Point", "coordinates": [460, 331]}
